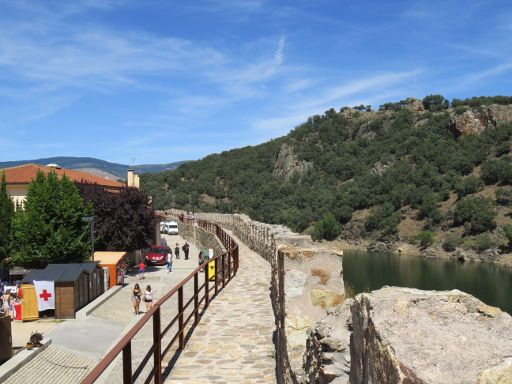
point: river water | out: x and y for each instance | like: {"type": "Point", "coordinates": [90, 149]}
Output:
{"type": "Point", "coordinates": [364, 271]}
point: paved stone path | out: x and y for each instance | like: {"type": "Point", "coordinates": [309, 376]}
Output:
{"type": "Point", "coordinates": [233, 341]}
{"type": "Point", "coordinates": [78, 345]}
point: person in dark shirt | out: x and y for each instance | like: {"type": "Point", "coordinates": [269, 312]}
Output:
{"type": "Point", "coordinates": [186, 248]}
{"type": "Point", "coordinates": [177, 251]}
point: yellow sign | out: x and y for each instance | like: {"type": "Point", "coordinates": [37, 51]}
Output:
{"type": "Point", "coordinates": [211, 269]}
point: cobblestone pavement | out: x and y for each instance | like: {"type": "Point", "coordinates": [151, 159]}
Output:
{"type": "Point", "coordinates": [78, 345]}
{"type": "Point", "coordinates": [53, 365]}
{"type": "Point", "coordinates": [233, 341]}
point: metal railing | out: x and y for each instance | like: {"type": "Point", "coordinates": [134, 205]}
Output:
{"type": "Point", "coordinates": [226, 266]}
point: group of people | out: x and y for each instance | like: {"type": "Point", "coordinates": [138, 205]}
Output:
{"type": "Point", "coordinates": [137, 296]}
{"type": "Point", "coordinates": [147, 295]}
{"type": "Point", "coordinates": [9, 296]}
{"type": "Point", "coordinates": [185, 248]}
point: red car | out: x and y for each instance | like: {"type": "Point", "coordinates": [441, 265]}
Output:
{"type": "Point", "coordinates": [157, 255]}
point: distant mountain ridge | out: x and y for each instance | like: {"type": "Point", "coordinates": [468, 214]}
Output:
{"type": "Point", "coordinates": [90, 164]}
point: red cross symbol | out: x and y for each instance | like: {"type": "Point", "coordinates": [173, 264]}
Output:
{"type": "Point", "coordinates": [45, 295]}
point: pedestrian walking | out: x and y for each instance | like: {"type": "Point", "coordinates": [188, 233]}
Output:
{"type": "Point", "coordinates": [177, 251]}
{"type": "Point", "coordinates": [142, 269]}
{"type": "Point", "coordinates": [136, 298]}
{"type": "Point", "coordinates": [201, 259]}
{"type": "Point", "coordinates": [186, 248]}
{"type": "Point", "coordinates": [169, 261]}
{"type": "Point", "coordinates": [6, 302]}
{"type": "Point", "coordinates": [148, 298]}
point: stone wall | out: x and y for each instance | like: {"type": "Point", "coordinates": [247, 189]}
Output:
{"type": "Point", "coordinates": [306, 280]}
{"type": "Point", "coordinates": [200, 237]}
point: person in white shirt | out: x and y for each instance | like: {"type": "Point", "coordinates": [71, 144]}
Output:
{"type": "Point", "coordinates": [169, 261]}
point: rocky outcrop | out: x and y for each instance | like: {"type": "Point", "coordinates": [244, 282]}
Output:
{"type": "Point", "coordinates": [287, 164]}
{"type": "Point", "coordinates": [475, 121]}
{"type": "Point", "coordinates": [403, 335]}
{"type": "Point", "coordinates": [327, 358]}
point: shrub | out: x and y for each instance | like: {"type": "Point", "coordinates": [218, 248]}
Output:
{"type": "Point", "coordinates": [504, 196]}
{"type": "Point", "coordinates": [426, 238]}
{"type": "Point", "coordinates": [451, 242]}
{"type": "Point", "coordinates": [435, 103]}
{"type": "Point", "coordinates": [497, 171]}
{"type": "Point", "coordinates": [326, 228]}
{"type": "Point", "coordinates": [483, 242]}
{"type": "Point", "coordinates": [469, 185]}
{"type": "Point", "coordinates": [477, 214]}
{"type": "Point", "coordinates": [384, 218]}
{"type": "Point", "coordinates": [507, 229]}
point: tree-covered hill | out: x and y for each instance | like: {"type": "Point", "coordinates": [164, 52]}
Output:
{"type": "Point", "coordinates": [408, 170]}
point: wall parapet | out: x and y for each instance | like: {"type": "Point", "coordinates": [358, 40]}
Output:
{"type": "Point", "coordinates": [306, 281]}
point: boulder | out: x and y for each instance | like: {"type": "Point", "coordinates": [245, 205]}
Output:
{"type": "Point", "coordinates": [403, 335]}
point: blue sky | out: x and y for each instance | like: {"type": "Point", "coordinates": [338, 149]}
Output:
{"type": "Point", "coordinates": [164, 81]}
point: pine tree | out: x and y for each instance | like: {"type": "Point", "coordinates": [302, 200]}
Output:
{"type": "Point", "coordinates": [50, 228]}
{"type": "Point", "coordinates": [6, 215]}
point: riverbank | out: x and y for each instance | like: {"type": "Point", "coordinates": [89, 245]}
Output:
{"type": "Point", "coordinates": [433, 252]}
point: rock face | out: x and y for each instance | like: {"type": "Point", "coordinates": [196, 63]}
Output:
{"type": "Point", "coordinates": [287, 164]}
{"type": "Point", "coordinates": [476, 121]}
{"type": "Point", "coordinates": [327, 358]}
{"type": "Point", "coordinates": [403, 335]}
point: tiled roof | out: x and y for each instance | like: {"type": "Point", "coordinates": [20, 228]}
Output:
{"type": "Point", "coordinates": [24, 174]}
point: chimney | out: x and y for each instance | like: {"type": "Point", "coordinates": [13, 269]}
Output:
{"type": "Point", "coordinates": [130, 178]}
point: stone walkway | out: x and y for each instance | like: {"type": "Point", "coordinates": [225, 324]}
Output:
{"type": "Point", "coordinates": [77, 345]}
{"type": "Point", "coordinates": [233, 341]}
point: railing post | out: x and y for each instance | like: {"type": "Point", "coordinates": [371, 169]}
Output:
{"type": "Point", "coordinates": [127, 363]}
{"type": "Point", "coordinates": [229, 264]}
{"type": "Point", "coordinates": [216, 275]}
{"type": "Point", "coordinates": [157, 343]}
{"type": "Point", "coordinates": [223, 270]}
{"type": "Point", "coordinates": [206, 286]}
{"type": "Point", "coordinates": [196, 298]}
{"type": "Point", "coordinates": [180, 318]}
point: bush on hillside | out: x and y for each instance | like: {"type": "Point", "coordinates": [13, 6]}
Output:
{"type": "Point", "coordinates": [497, 171]}
{"type": "Point", "coordinates": [468, 186]}
{"type": "Point", "coordinates": [451, 242]}
{"type": "Point", "coordinates": [507, 229]}
{"type": "Point", "coordinates": [326, 228]}
{"type": "Point", "coordinates": [425, 238]}
{"type": "Point", "coordinates": [483, 242]}
{"type": "Point", "coordinates": [477, 214]}
{"type": "Point", "coordinates": [504, 196]}
{"type": "Point", "coordinates": [435, 103]}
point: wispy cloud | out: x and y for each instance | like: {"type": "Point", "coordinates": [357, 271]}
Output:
{"type": "Point", "coordinates": [367, 90]}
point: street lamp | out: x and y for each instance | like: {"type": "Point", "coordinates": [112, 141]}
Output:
{"type": "Point", "coordinates": [87, 219]}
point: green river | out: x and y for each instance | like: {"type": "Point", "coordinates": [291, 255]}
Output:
{"type": "Point", "coordinates": [490, 283]}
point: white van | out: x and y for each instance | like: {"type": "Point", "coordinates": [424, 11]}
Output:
{"type": "Point", "coordinates": [171, 228]}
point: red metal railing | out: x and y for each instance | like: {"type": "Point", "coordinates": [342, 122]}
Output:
{"type": "Point", "coordinates": [226, 266]}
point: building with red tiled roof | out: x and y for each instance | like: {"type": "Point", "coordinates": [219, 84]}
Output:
{"type": "Point", "coordinates": [18, 178]}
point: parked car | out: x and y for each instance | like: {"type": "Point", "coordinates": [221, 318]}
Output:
{"type": "Point", "coordinates": [157, 255]}
{"type": "Point", "coordinates": [171, 228]}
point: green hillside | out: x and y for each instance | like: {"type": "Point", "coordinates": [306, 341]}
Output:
{"type": "Point", "coordinates": [409, 168]}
